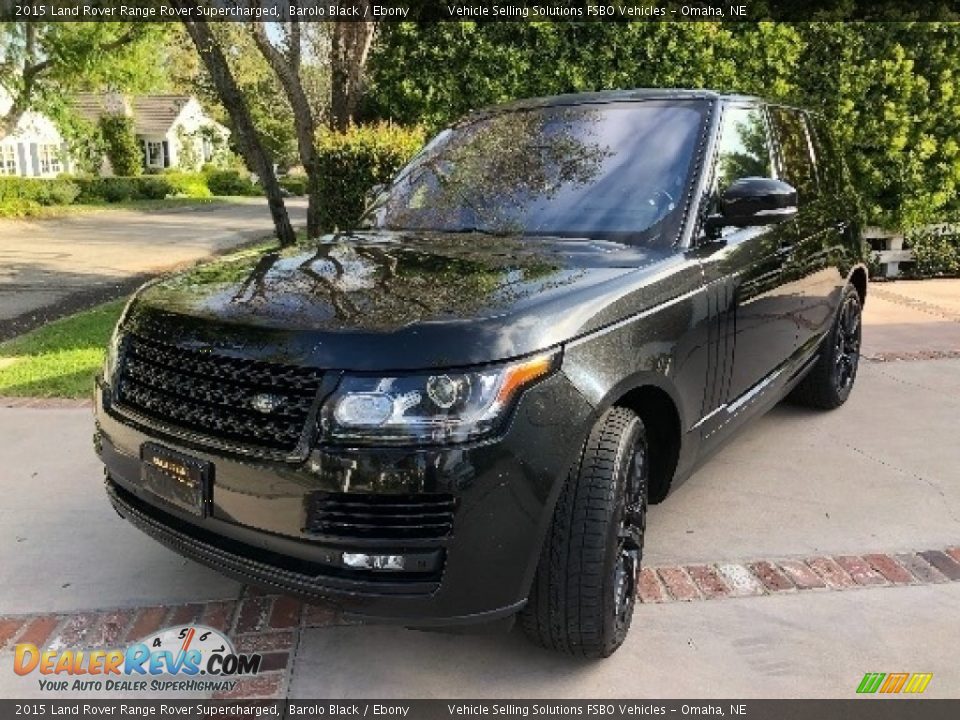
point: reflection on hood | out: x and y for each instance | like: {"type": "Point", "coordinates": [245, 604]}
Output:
{"type": "Point", "coordinates": [385, 281]}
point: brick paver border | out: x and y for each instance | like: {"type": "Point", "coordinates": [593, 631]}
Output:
{"type": "Point", "coordinates": [256, 622]}
{"type": "Point", "coordinates": [271, 624]}
{"type": "Point", "coordinates": [686, 583]}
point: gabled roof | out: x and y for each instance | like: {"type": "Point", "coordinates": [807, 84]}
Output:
{"type": "Point", "coordinates": [91, 106]}
{"type": "Point", "coordinates": [155, 114]}
{"type": "Point", "coordinates": [152, 114]}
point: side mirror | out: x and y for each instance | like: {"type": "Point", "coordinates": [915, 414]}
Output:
{"type": "Point", "coordinates": [752, 201]}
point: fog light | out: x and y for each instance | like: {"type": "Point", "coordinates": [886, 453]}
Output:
{"type": "Point", "coordinates": [373, 562]}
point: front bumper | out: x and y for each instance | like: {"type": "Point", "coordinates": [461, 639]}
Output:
{"type": "Point", "coordinates": [258, 528]}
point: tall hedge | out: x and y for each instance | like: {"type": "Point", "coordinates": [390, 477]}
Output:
{"type": "Point", "coordinates": [42, 191]}
{"type": "Point", "coordinates": [888, 89]}
{"type": "Point", "coordinates": [120, 144]}
{"type": "Point", "coordinates": [354, 161]}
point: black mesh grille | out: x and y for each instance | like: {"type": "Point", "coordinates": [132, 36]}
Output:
{"type": "Point", "coordinates": [213, 395]}
{"type": "Point", "coordinates": [381, 517]}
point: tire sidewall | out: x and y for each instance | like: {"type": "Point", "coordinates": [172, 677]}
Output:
{"type": "Point", "coordinates": [850, 295]}
{"type": "Point", "coordinates": [632, 440]}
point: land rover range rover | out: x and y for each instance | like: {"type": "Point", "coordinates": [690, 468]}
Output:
{"type": "Point", "coordinates": [458, 411]}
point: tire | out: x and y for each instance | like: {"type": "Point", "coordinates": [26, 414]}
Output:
{"type": "Point", "coordinates": [829, 382]}
{"type": "Point", "coordinates": [584, 591]}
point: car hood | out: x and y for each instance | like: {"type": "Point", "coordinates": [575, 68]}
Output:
{"type": "Point", "coordinates": [380, 301]}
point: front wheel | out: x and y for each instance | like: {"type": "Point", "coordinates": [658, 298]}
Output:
{"type": "Point", "coordinates": [584, 592]}
{"type": "Point", "coordinates": [829, 382]}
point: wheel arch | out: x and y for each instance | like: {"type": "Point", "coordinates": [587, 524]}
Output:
{"type": "Point", "coordinates": [661, 419]}
{"type": "Point", "coordinates": [654, 399]}
{"type": "Point", "coordinates": [858, 278]}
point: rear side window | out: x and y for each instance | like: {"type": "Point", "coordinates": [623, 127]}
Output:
{"type": "Point", "coordinates": [797, 165]}
{"type": "Point", "coordinates": [829, 166]}
{"type": "Point", "coordinates": [744, 147]}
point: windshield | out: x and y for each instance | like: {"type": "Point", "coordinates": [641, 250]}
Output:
{"type": "Point", "coordinates": [615, 171]}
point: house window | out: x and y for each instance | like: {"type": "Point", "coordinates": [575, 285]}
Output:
{"type": "Point", "coordinates": [154, 153]}
{"type": "Point", "coordinates": [8, 159]}
{"type": "Point", "coordinates": [207, 150]}
{"type": "Point", "coordinates": [49, 156]}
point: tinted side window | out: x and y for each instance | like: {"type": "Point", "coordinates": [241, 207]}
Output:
{"type": "Point", "coordinates": [829, 168]}
{"type": "Point", "coordinates": [744, 149]}
{"type": "Point", "coordinates": [798, 168]}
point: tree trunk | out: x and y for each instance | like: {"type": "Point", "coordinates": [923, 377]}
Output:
{"type": "Point", "coordinates": [350, 48]}
{"type": "Point", "coordinates": [245, 133]}
{"type": "Point", "coordinates": [286, 66]}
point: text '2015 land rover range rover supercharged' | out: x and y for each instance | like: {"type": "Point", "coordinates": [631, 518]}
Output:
{"type": "Point", "coordinates": [458, 412]}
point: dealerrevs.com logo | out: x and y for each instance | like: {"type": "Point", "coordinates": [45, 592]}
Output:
{"type": "Point", "coordinates": [181, 659]}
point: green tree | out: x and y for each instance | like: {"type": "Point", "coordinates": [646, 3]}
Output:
{"type": "Point", "coordinates": [245, 131]}
{"type": "Point", "coordinates": [285, 59]}
{"type": "Point", "coordinates": [889, 90]}
{"type": "Point", "coordinates": [349, 47]}
{"type": "Point", "coordinates": [120, 144]}
{"type": "Point", "coordinates": [411, 79]}
{"type": "Point", "coordinates": [42, 62]}
{"type": "Point", "coordinates": [266, 102]}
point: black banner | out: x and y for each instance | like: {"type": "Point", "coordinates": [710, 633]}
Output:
{"type": "Point", "coordinates": [476, 10]}
{"type": "Point", "coordinates": [859, 709]}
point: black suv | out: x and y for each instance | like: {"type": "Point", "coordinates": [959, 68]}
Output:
{"type": "Point", "coordinates": [458, 412]}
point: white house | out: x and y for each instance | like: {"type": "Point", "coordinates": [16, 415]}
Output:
{"type": "Point", "coordinates": [34, 148]}
{"type": "Point", "coordinates": [173, 131]}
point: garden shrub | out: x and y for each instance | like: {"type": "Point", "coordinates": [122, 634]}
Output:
{"type": "Point", "coordinates": [13, 207]}
{"type": "Point", "coordinates": [121, 145]}
{"type": "Point", "coordinates": [230, 182]}
{"type": "Point", "coordinates": [115, 189]}
{"type": "Point", "coordinates": [192, 185]}
{"type": "Point", "coordinates": [60, 192]}
{"type": "Point", "coordinates": [352, 162]}
{"type": "Point", "coordinates": [119, 189]}
{"type": "Point", "coordinates": [42, 191]}
{"type": "Point", "coordinates": [888, 90]}
{"type": "Point", "coordinates": [294, 184]}
{"type": "Point", "coordinates": [936, 252]}
{"type": "Point", "coordinates": [153, 188]}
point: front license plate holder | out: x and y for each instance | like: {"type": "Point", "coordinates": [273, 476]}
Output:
{"type": "Point", "coordinates": [181, 480]}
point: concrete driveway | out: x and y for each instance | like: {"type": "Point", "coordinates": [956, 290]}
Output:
{"type": "Point", "coordinates": [48, 267]}
{"type": "Point", "coordinates": [814, 548]}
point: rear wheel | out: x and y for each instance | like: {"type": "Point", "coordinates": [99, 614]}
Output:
{"type": "Point", "coordinates": [584, 592]}
{"type": "Point", "coordinates": [829, 383]}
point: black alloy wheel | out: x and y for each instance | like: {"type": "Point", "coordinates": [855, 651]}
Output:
{"type": "Point", "coordinates": [584, 592]}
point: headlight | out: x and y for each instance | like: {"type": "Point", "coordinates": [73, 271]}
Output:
{"type": "Point", "coordinates": [442, 407]}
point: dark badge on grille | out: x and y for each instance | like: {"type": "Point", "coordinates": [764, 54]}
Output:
{"type": "Point", "coordinates": [266, 403]}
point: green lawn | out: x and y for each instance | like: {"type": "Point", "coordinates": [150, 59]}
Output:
{"type": "Point", "coordinates": [61, 358]}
